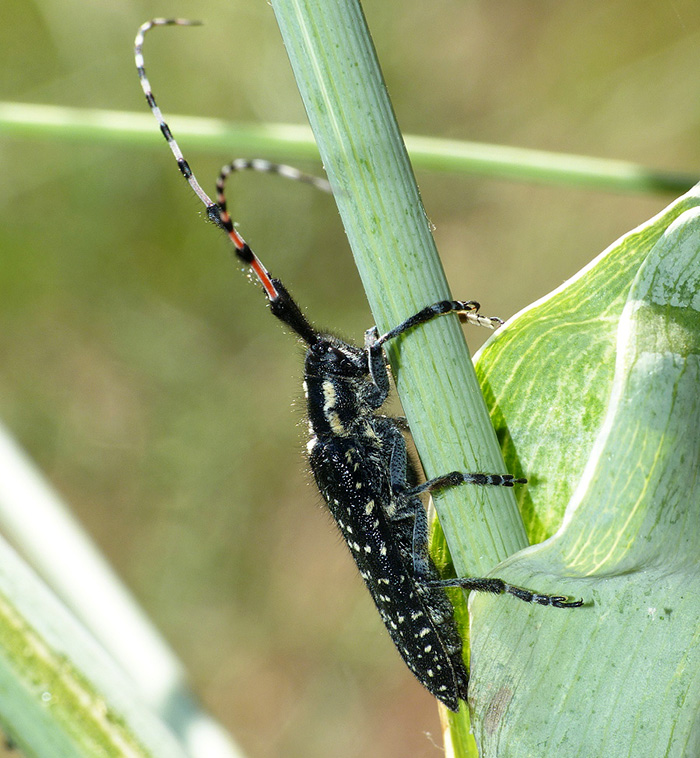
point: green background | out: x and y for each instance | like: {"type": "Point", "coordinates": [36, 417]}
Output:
{"type": "Point", "coordinates": [141, 372]}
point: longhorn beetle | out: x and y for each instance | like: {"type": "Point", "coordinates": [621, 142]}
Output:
{"type": "Point", "coordinates": [359, 460]}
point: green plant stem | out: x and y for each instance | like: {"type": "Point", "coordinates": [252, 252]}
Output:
{"type": "Point", "coordinates": [338, 75]}
{"type": "Point", "coordinates": [295, 142]}
{"type": "Point", "coordinates": [350, 113]}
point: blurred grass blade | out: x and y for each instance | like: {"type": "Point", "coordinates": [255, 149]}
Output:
{"type": "Point", "coordinates": [595, 391]}
{"type": "Point", "coordinates": [61, 696]}
{"type": "Point", "coordinates": [32, 515]}
{"type": "Point", "coordinates": [85, 125]}
{"type": "Point", "coordinates": [292, 142]}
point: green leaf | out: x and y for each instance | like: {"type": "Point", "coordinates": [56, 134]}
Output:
{"type": "Point", "coordinates": [594, 393]}
{"type": "Point", "coordinates": [550, 370]}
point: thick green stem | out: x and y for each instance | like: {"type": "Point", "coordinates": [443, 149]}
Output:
{"type": "Point", "coordinates": [337, 72]}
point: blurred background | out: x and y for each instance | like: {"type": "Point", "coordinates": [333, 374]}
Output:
{"type": "Point", "coordinates": [142, 373]}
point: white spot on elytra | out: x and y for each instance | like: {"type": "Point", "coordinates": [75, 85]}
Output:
{"type": "Point", "coordinates": [328, 396]}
